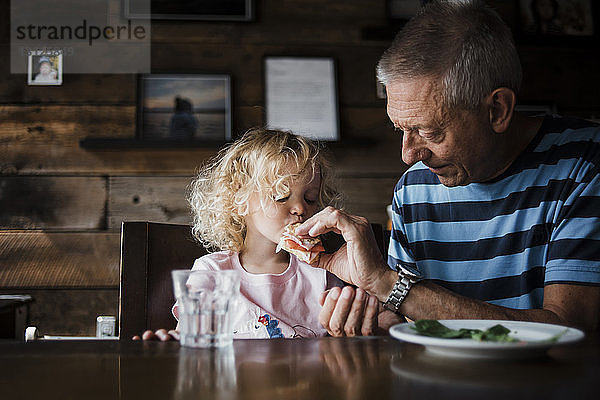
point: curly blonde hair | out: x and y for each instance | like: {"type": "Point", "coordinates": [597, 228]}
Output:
{"type": "Point", "coordinates": [257, 162]}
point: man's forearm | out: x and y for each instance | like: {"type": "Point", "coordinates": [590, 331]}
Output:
{"type": "Point", "coordinates": [427, 300]}
{"type": "Point", "coordinates": [571, 305]}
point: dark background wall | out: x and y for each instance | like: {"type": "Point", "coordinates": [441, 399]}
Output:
{"type": "Point", "coordinates": [61, 204]}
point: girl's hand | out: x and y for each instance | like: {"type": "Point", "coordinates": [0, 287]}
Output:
{"type": "Point", "coordinates": [160, 334]}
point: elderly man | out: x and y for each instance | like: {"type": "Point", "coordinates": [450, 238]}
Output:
{"type": "Point", "coordinates": [498, 216]}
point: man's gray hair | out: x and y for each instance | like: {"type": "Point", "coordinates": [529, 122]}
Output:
{"type": "Point", "coordinates": [464, 43]}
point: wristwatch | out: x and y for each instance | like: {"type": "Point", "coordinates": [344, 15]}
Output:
{"type": "Point", "coordinates": [407, 276]}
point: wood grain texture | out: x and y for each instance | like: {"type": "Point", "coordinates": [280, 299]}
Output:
{"type": "Point", "coordinates": [368, 145]}
{"type": "Point", "coordinates": [51, 158]}
{"type": "Point", "coordinates": [116, 89]}
{"type": "Point", "coordinates": [45, 139]}
{"type": "Point", "coordinates": [67, 260]}
{"type": "Point", "coordinates": [153, 198]}
{"type": "Point", "coordinates": [61, 202]}
{"type": "Point", "coordinates": [64, 123]}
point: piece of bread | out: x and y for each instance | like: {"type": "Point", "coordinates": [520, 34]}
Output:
{"type": "Point", "coordinates": [306, 249]}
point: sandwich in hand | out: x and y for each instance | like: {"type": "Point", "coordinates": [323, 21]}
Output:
{"type": "Point", "coordinates": [306, 249]}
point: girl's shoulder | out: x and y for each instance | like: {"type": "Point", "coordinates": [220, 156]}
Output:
{"type": "Point", "coordinates": [217, 261]}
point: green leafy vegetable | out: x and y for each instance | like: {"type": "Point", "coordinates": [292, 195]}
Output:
{"type": "Point", "coordinates": [433, 328]}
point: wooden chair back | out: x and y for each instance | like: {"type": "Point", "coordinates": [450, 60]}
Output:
{"type": "Point", "coordinates": [149, 252]}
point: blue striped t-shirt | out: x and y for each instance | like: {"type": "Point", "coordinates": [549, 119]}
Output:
{"type": "Point", "coordinates": [502, 241]}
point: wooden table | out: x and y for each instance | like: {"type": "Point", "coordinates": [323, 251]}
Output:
{"type": "Point", "coordinates": [328, 368]}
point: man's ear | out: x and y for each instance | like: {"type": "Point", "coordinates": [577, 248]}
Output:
{"type": "Point", "coordinates": [501, 106]}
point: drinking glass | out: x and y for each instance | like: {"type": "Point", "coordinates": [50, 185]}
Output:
{"type": "Point", "coordinates": [205, 301]}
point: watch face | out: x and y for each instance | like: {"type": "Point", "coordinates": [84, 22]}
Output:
{"type": "Point", "coordinates": [409, 269]}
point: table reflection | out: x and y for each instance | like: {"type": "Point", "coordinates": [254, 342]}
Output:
{"type": "Point", "coordinates": [350, 369]}
{"type": "Point", "coordinates": [326, 368]}
{"type": "Point", "coordinates": [547, 376]}
{"type": "Point", "coordinates": [359, 367]}
{"type": "Point", "coordinates": [208, 371]}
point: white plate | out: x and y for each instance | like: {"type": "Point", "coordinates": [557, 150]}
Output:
{"type": "Point", "coordinates": [534, 339]}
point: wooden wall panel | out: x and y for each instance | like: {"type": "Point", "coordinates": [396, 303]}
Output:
{"type": "Point", "coordinates": [50, 127]}
{"type": "Point", "coordinates": [64, 124]}
{"type": "Point", "coordinates": [51, 158]}
{"type": "Point", "coordinates": [52, 202]}
{"type": "Point", "coordinates": [156, 198]}
{"type": "Point", "coordinates": [35, 259]}
{"type": "Point", "coordinates": [76, 89]}
{"type": "Point", "coordinates": [368, 145]}
{"type": "Point", "coordinates": [45, 140]}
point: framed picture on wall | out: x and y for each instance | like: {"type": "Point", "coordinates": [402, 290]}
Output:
{"type": "Point", "coordinates": [184, 107]}
{"type": "Point", "coordinates": [557, 21]}
{"type": "Point", "coordinates": [206, 10]}
{"type": "Point", "coordinates": [45, 67]}
{"type": "Point", "coordinates": [301, 96]}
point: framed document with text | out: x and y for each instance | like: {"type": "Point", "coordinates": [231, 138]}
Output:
{"type": "Point", "coordinates": [301, 96]}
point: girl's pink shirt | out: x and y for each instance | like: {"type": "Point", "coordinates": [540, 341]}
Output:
{"type": "Point", "coordinates": [274, 305]}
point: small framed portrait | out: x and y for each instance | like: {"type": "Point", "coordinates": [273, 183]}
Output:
{"type": "Point", "coordinates": [184, 107]}
{"type": "Point", "coordinates": [45, 67]}
{"type": "Point", "coordinates": [552, 21]}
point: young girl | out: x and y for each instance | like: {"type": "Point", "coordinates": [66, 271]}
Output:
{"type": "Point", "coordinates": [241, 202]}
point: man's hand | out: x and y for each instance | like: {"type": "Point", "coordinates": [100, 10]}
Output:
{"type": "Point", "coordinates": [359, 260]}
{"type": "Point", "coordinates": [348, 312]}
{"type": "Point", "coordinates": [160, 334]}
{"type": "Point", "coordinates": [351, 312]}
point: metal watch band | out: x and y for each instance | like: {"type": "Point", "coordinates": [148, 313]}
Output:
{"type": "Point", "coordinates": [398, 293]}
